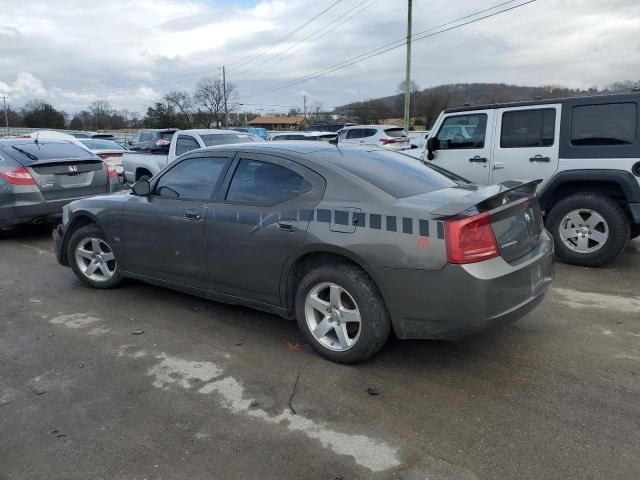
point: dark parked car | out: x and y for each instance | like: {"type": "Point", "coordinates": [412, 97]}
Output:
{"type": "Point", "coordinates": [152, 140]}
{"type": "Point", "coordinates": [351, 242]}
{"type": "Point", "coordinates": [38, 177]}
{"type": "Point", "coordinates": [96, 135]}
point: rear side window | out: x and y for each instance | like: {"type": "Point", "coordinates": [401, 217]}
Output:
{"type": "Point", "coordinates": [462, 131]}
{"type": "Point", "coordinates": [603, 125]}
{"type": "Point", "coordinates": [193, 179]}
{"type": "Point", "coordinates": [263, 183]}
{"type": "Point", "coordinates": [528, 128]}
{"type": "Point", "coordinates": [355, 133]}
{"type": "Point", "coordinates": [185, 143]}
{"type": "Point", "coordinates": [167, 135]}
{"type": "Point", "coordinates": [395, 132]}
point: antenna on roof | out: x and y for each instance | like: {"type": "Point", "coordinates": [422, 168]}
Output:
{"type": "Point", "coordinates": [37, 133]}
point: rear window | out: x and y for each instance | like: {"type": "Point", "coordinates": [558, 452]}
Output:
{"type": "Point", "coordinates": [33, 152]}
{"type": "Point", "coordinates": [395, 132]}
{"type": "Point", "coordinates": [396, 174]}
{"type": "Point", "coordinates": [607, 124]}
{"type": "Point", "coordinates": [94, 144]}
{"type": "Point", "coordinates": [167, 135]}
{"type": "Point", "coordinates": [223, 139]}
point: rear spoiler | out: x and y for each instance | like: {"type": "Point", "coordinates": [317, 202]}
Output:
{"type": "Point", "coordinates": [485, 195]}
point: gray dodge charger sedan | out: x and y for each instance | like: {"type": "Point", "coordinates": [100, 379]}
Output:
{"type": "Point", "coordinates": [351, 243]}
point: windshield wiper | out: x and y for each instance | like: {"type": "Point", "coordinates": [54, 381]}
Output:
{"type": "Point", "coordinates": [29, 155]}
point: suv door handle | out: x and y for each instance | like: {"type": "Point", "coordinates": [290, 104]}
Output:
{"type": "Point", "coordinates": [540, 158]}
{"type": "Point", "coordinates": [193, 213]}
{"type": "Point", "coordinates": [288, 225]}
{"type": "Point", "coordinates": [478, 159]}
{"type": "Point", "coordinates": [498, 165]}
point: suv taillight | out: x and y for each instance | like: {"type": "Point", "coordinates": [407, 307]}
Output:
{"type": "Point", "coordinates": [386, 141]}
{"type": "Point", "coordinates": [111, 172]}
{"type": "Point", "coordinates": [17, 176]}
{"type": "Point", "coordinates": [470, 239]}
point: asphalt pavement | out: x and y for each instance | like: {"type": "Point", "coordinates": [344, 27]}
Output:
{"type": "Point", "coordinates": [141, 382]}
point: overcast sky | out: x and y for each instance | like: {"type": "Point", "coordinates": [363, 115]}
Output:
{"type": "Point", "coordinates": [72, 52]}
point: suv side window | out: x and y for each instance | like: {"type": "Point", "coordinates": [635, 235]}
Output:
{"type": "Point", "coordinates": [462, 132]}
{"type": "Point", "coordinates": [369, 132]}
{"type": "Point", "coordinates": [604, 125]}
{"type": "Point", "coordinates": [528, 128]}
{"type": "Point", "coordinates": [355, 133]}
{"type": "Point", "coordinates": [184, 143]}
{"type": "Point", "coordinates": [192, 179]}
{"type": "Point", "coordinates": [261, 183]}
{"type": "Point", "coordinates": [146, 137]}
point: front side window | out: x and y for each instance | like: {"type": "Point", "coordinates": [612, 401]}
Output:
{"type": "Point", "coordinates": [192, 179]}
{"type": "Point", "coordinates": [462, 132]}
{"type": "Point", "coordinates": [528, 128]}
{"type": "Point", "coordinates": [369, 132]}
{"type": "Point", "coordinates": [355, 133]}
{"type": "Point", "coordinates": [604, 125]}
{"type": "Point", "coordinates": [185, 143]}
{"type": "Point", "coordinates": [262, 183]}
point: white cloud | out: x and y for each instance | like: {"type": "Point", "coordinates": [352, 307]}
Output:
{"type": "Point", "coordinates": [72, 52]}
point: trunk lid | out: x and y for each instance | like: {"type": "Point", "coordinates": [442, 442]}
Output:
{"type": "Point", "coordinates": [70, 178]}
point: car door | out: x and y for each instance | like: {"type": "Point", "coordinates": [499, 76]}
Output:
{"type": "Point", "coordinates": [164, 232]}
{"type": "Point", "coordinates": [526, 143]}
{"type": "Point", "coordinates": [259, 222]}
{"type": "Point", "coordinates": [463, 144]}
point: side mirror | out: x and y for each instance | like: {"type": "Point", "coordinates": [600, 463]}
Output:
{"type": "Point", "coordinates": [142, 188]}
{"type": "Point", "coordinates": [432, 145]}
{"type": "Point", "coordinates": [334, 141]}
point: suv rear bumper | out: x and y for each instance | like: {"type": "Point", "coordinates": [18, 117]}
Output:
{"type": "Point", "coordinates": [465, 300]}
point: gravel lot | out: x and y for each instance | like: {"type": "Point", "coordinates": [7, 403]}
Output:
{"type": "Point", "coordinates": [213, 391]}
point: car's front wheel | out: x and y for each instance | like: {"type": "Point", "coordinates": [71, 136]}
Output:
{"type": "Point", "coordinates": [341, 312]}
{"type": "Point", "coordinates": [589, 229]}
{"type": "Point", "coordinates": [92, 259]}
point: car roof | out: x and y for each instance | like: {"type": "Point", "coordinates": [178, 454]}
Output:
{"type": "Point", "coordinates": [25, 141]}
{"type": "Point", "coordinates": [208, 131]}
{"type": "Point", "coordinates": [381, 127]}
{"type": "Point", "coordinates": [570, 100]}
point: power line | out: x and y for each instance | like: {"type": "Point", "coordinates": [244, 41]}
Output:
{"type": "Point", "coordinates": [392, 46]}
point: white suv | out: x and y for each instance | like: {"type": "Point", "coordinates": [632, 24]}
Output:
{"type": "Point", "coordinates": [388, 136]}
{"type": "Point", "coordinates": [585, 151]}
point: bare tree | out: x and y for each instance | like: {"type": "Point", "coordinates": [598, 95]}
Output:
{"type": "Point", "coordinates": [101, 112]}
{"type": "Point", "coordinates": [210, 95]}
{"type": "Point", "coordinates": [183, 104]}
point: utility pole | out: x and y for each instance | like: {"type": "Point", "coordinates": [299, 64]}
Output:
{"type": "Point", "coordinates": [6, 117]}
{"type": "Point", "coordinates": [407, 77]}
{"type": "Point", "coordinates": [304, 99]}
{"type": "Point", "coordinates": [224, 92]}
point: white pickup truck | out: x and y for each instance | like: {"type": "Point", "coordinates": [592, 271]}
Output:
{"type": "Point", "coordinates": [139, 165]}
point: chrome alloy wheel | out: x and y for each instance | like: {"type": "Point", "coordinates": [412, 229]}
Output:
{"type": "Point", "coordinates": [584, 231]}
{"type": "Point", "coordinates": [95, 259]}
{"type": "Point", "coordinates": [332, 316]}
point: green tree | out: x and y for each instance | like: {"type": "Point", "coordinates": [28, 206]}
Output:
{"type": "Point", "coordinates": [40, 114]}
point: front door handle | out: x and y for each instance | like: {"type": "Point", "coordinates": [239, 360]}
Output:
{"type": "Point", "coordinates": [193, 213]}
{"type": "Point", "coordinates": [540, 158]}
{"type": "Point", "coordinates": [288, 225]}
{"type": "Point", "coordinates": [478, 159]}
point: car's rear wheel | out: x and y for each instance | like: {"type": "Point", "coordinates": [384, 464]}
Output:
{"type": "Point", "coordinates": [589, 229]}
{"type": "Point", "coordinates": [92, 259]}
{"type": "Point", "coordinates": [341, 313]}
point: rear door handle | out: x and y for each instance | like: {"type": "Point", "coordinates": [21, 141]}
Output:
{"type": "Point", "coordinates": [288, 225]}
{"type": "Point", "coordinates": [478, 159]}
{"type": "Point", "coordinates": [193, 213]}
{"type": "Point", "coordinates": [540, 158]}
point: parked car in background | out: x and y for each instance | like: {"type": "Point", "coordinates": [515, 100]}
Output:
{"type": "Point", "coordinates": [108, 150]}
{"type": "Point", "coordinates": [326, 136]}
{"type": "Point", "coordinates": [97, 135]}
{"type": "Point", "coordinates": [387, 136]}
{"type": "Point", "coordinates": [260, 132]}
{"type": "Point", "coordinates": [328, 127]}
{"type": "Point", "coordinates": [350, 242]}
{"type": "Point", "coordinates": [141, 165]}
{"type": "Point", "coordinates": [586, 151]}
{"type": "Point", "coordinates": [37, 178]}
{"type": "Point", "coordinates": [151, 140]}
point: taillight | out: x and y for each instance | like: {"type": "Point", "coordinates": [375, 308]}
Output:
{"type": "Point", "coordinates": [17, 176]}
{"type": "Point", "coordinates": [470, 239]}
{"type": "Point", "coordinates": [162, 142]}
{"type": "Point", "coordinates": [386, 141]}
{"type": "Point", "coordinates": [111, 172]}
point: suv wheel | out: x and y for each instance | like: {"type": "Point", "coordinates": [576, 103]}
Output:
{"type": "Point", "coordinates": [341, 312]}
{"type": "Point", "coordinates": [589, 229]}
{"type": "Point", "coordinates": [92, 258]}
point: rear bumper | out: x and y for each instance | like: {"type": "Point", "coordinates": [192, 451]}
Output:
{"type": "Point", "coordinates": [465, 300]}
{"type": "Point", "coordinates": [15, 214]}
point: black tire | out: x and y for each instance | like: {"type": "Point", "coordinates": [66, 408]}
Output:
{"type": "Point", "coordinates": [635, 231]}
{"type": "Point", "coordinates": [374, 325]}
{"type": "Point", "coordinates": [90, 231]}
{"type": "Point", "coordinates": [617, 221]}
{"type": "Point", "coordinates": [144, 176]}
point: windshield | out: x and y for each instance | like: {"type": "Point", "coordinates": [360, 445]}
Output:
{"type": "Point", "coordinates": [95, 144]}
{"type": "Point", "coordinates": [48, 151]}
{"type": "Point", "coordinates": [224, 138]}
{"type": "Point", "coordinates": [398, 175]}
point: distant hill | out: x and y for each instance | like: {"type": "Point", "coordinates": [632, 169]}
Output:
{"type": "Point", "coordinates": [428, 103]}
